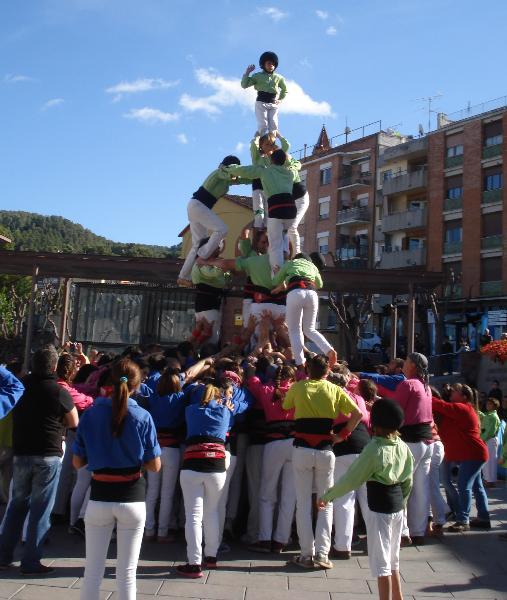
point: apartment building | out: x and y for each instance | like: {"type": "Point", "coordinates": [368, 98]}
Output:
{"type": "Point", "coordinates": [343, 215]}
{"type": "Point", "coordinates": [467, 221]}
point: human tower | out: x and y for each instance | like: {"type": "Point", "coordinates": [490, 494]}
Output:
{"type": "Point", "coordinates": [276, 287]}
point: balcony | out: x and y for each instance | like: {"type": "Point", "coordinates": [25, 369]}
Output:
{"type": "Point", "coordinates": [492, 151]}
{"type": "Point", "coordinates": [409, 150]}
{"type": "Point", "coordinates": [358, 214]}
{"type": "Point", "coordinates": [400, 221]}
{"type": "Point", "coordinates": [404, 182]}
{"type": "Point", "coordinates": [491, 288]}
{"type": "Point", "coordinates": [355, 181]}
{"type": "Point", "coordinates": [453, 161]}
{"type": "Point", "coordinates": [453, 247]}
{"type": "Point", "coordinates": [403, 258]}
{"type": "Point", "coordinates": [491, 196]}
{"type": "Point", "coordinates": [453, 204]}
{"type": "Point", "coordinates": [492, 242]}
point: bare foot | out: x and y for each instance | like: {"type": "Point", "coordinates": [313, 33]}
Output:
{"type": "Point", "coordinates": [333, 357]}
{"type": "Point", "coordinates": [184, 282]}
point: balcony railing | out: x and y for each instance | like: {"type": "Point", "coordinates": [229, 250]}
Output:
{"type": "Point", "coordinates": [453, 247]}
{"type": "Point", "coordinates": [353, 263]}
{"type": "Point", "coordinates": [491, 288]}
{"type": "Point", "coordinates": [407, 150]}
{"type": "Point", "coordinates": [404, 181]}
{"type": "Point", "coordinates": [492, 242]}
{"type": "Point", "coordinates": [358, 214]}
{"type": "Point", "coordinates": [491, 151]}
{"type": "Point", "coordinates": [403, 258]}
{"type": "Point", "coordinates": [363, 179]}
{"type": "Point", "coordinates": [453, 291]}
{"type": "Point", "coordinates": [490, 196]}
{"type": "Point", "coordinates": [453, 161]}
{"type": "Point", "coordinates": [409, 219]}
{"type": "Point", "coordinates": [453, 204]}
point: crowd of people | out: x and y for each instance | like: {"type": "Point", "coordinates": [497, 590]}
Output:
{"type": "Point", "coordinates": [145, 444]}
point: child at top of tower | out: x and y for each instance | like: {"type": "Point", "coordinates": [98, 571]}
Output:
{"type": "Point", "coordinates": [271, 89]}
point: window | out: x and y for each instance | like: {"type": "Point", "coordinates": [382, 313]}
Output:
{"type": "Point", "coordinates": [493, 181]}
{"type": "Point", "coordinates": [362, 200]}
{"type": "Point", "coordinates": [365, 167]}
{"type": "Point", "coordinates": [491, 269]}
{"type": "Point", "coordinates": [415, 243]}
{"type": "Point", "coordinates": [453, 231]}
{"type": "Point", "coordinates": [323, 242]}
{"type": "Point", "coordinates": [493, 133]}
{"type": "Point", "coordinates": [324, 208]}
{"type": "Point", "coordinates": [454, 186]}
{"type": "Point", "coordinates": [452, 272]}
{"type": "Point", "coordinates": [491, 225]}
{"type": "Point", "coordinates": [325, 176]}
{"type": "Point", "coordinates": [454, 193]}
{"type": "Point", "coordinates": [387, 175]}
{"type": "Point", "coordinates": [454, 151]}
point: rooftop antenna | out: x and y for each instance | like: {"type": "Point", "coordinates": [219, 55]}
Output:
{"type": "Point", "coordinates": [430, 100]}
{"type": "Point", "coordinates": [347, 130]}
{"type": "Point", "coordinates": [421, 130]}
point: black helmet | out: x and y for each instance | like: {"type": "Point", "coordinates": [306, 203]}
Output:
{"type": "Point", "coordinates": [231, 160]}
{"type": "Point", "coordinates": [268, 56]}
{"type": "Point", "coordinates": [387, 414]}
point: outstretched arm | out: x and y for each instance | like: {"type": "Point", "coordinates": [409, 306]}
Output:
{"type": "Point", "coordinates": [246, 80]}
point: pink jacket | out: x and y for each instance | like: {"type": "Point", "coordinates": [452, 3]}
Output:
{"type": "Point", "coordinates": [81, 401]}
{"type": "Point", "coordinates": [263, 394]}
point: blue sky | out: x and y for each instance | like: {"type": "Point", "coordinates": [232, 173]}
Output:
{"type": "Point", "coordinates": [112, 112]}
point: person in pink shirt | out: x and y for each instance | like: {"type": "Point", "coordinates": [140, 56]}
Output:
{"type": "Point", "coordinates": [277, 461]}
{"type": "Point", "coordinates": [414, 396]}
{"type": "Point", "coordinates": [345, 454]}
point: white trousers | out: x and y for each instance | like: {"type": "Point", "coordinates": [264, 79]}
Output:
{"type": "Point", "coordinates": [202, 220]}
{"type": "Point", "coordinates": [254, 459]}
{"type": "Point", "coordinates": [214, 318]}
{"type": "Point", "coordinates": [222, 507]}
{"type": "Point", "coordinates": [266, 114]}
{"type": "Point", "coordinates": [276, 229]}
{"type": "Point", "coordinates": [80, 495]}
{"type": "Point", "coordinates": [302, 205]}
{"type": "Point", "coordinates": [489, 470]}
{"type": "Point", "coordinates": [100, 519]}
{"type": "Point", "coordinates": [384, 536]}
{"type": "Point", "coordinates": [237, 477]}
{"type": "Point", "coordinates": [344, 508]}
{"type": "Point", "coordinates": [202, 493]}
{"type": "Point", "coordinates": [162, 485]}
{"type": "Point", "coordinates": [418, 506]}
{"type": "Point", "coordinates": [260, 208]}
{"type": "Point", "coordinates": [438, 505]}
{"type": "Point", "coordinates": [313, 465]}
{"type": "Point", "coordinates": [302, 309]}
{"type": "Point", "coordinates": [277, 473]}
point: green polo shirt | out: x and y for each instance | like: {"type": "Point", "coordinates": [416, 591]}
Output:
{"type": "Point", "coordinates": [299, 267]}
{"type": "Point", "coordinates": [272, 83]}
{"type": "Point", "coordinates": [257, 267]}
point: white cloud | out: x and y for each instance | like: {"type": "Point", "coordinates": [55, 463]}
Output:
{"type": "Point", "coordinates": [139, 85]}
{"type": "Point", "coordinates": [228, 93]}
{"type": "Point", "coordinates": [52, 103]}
{"type": "Point", "coordinates": [151, 115]}
{"type": "Point", "coordinates": [182, 138]}
{"type": "Point", "coordinates": [275, 14]}
{"type": "Point", "coordinates": [322, 14]}
{"type": "Point", "coordinates": [240, 146]}
{"type": "Point", "coordinates": [9, 78]}
{"type": "Point", "coordinates": [331, 30]}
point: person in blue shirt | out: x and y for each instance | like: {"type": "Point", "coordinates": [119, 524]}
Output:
{"type": "Point", "coordinates": [166, 406]}
{"type": "Point", "coordinates": [204, 470]}
{"type": "Point", "coordinates": [11, 390]}
{"type": "Point", "coordinates": [388, 382]}
{"type": "Point", "coordinates": [157, 362]}
{"type": "Point", "coordinates": [115, 439]}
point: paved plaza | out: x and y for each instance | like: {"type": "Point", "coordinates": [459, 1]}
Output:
{"type": "Point", "coordinates": [469, 566]}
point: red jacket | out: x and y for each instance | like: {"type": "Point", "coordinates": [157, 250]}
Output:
{"type": "Point", "coordinates": [460, 431]}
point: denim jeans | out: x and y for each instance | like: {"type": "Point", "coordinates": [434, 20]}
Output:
{"type": "Point", "coordinates": [450, 489]}
{"type": "Point", "coordinates": [34, 484]}
{"type": "Point", "coordinates": [469, 479]}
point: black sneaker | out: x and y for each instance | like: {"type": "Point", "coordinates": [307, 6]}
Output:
{"type": "Point", "coordinates": [78, 528]}
{"type": "Point", "coordinates": [480, 523]}
{"type": "Point", "coordinates": [39, 569]}
{"type": "Point", "coordinates": [191, 571]}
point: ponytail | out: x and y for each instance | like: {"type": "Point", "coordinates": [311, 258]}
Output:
{"type": "Point", "coordinates": [126, 377]}
{"type": "Point", "coordinates": [285, 373]}
{"type": "Point", "coordinates": [211, 392]}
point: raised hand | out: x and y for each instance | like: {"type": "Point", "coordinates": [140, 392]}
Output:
{"type": "Point", "coordinates": [249, 69]}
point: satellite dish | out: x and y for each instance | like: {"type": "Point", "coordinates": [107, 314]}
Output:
{"type": "Point", "coordinates": [421, 129]}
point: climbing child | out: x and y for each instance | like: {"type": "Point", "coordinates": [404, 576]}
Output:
{"type": "Point", "coordinates": [271, 90]}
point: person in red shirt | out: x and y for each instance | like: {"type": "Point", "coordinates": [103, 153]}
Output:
{"type": "Point", "coordinates": [459, 430]}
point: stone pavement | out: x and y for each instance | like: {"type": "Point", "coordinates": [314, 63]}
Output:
{"type": "Point", "coordinates": [469, 566]}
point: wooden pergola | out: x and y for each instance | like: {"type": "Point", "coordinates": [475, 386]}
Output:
{"type": "Point", "coordinates": [164, 271]}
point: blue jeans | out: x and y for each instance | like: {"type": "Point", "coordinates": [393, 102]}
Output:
{"type": "Point", "coordinates": [451, 492]}
{"type": "Point", "coordinates": [34, 484]}
{"type": "Point", "coordinates": [469, 479]}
